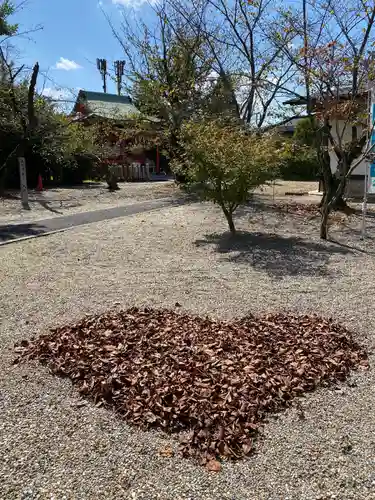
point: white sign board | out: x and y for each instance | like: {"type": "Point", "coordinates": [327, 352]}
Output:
{"type": "Point", "coordinates": [23, 182]}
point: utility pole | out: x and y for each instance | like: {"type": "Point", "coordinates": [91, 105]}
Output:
{"type": "Point", "coordinates": [369, 161]}
{"type": "Point", "coordinates": [119, 71]}
{"type": "Point", "coordinates": [102, 68]}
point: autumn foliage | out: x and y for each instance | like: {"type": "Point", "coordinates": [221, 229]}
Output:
{"type": "Point", "coordinates": [212, 382]}
{"type": "Point", "coordinates": [224, 163]}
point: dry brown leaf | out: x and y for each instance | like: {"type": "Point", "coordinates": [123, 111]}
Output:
{"type": "Point", "coordinates": [213, 466]}
{"type": "Point", "coordinates": [166, 452]}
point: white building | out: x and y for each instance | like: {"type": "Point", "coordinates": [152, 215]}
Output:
{"type": "Point", "coordinates": [342, 131]}
{"type": "Point", "coordinates": [342, 134]}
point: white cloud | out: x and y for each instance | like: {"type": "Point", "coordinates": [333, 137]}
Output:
{"type": "Point", "coordinates": [56, 93]}
{"type": "Point", "coordinates": [67, 64]}
{"type": "Point", "coordinates": [62, 98]}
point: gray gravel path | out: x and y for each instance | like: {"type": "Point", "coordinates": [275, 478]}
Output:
{"type": "Point", "coordinates": [12, 232]}
{"type": "Point", "coordinates": [54, 446]}
{"type": "Point", "coordinates": [55, 202]}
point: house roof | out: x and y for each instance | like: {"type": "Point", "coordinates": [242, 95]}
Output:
{"type": "Point", "coordinates": [344, 93]}
{"type": "Point", "coordinates": [287, 125]}
{"type": "Point", "coordinates": [109, 106]}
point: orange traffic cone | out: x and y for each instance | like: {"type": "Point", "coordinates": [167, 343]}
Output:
{"type": "Point", "coordinates": [40, 183]}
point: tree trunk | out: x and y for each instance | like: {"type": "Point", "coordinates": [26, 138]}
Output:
{"type": "Point", "coordinates": [326, 207]}
{"type": "Point", "coordinates": [332, 200]}
{"type": "Point", "coordinates": [176, 153]}
{"type": "Point", "coordinates": [330, 187]}
{"type": "Point", "coordinates": [229, 217]}
{"type": "Point", "coordinates": [3, 174]}
{"type": "Point", "coordinates": [324, 222]}
{"type": "Point", "coordinates": [328, 182]}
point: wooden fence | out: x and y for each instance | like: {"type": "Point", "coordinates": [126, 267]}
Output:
{"type": "Point", "coordinates": [133, 172]}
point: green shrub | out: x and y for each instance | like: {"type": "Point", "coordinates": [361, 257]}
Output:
{"type": "Point", "coordinates": [59, 151]}
{"type": "Point", "coordinates": [77, 169]}
{"type": "Point", "coordinates": [299, 163]}
{"type": "Point", "coordinates": [223, 163]}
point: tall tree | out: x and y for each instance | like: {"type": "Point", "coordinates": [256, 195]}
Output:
{"type": "Point", "coordinates": [167, 68]}
{"type": "Point", "coordinates": [332, 52]}
{"type": "Point", "coordinates": [26, 117]}
{"type": "Point", "coordinates": [7, 8]}
{"type": "Point", "coordinates": [255, 71]}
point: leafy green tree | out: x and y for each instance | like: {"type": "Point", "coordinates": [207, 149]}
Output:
{"type": "Point", "coordinates": [174, 86]}
{"type": "Point", "coordinates": [306, 131]}
{"type": "Point", "coordinates": [299, 162]}
{"type": "Point", "coordinates": [7, 8]}
{"type": "Point", "coordinates": [32, 127]}
{"type": "Point", "coordinates": [299, 158]}
{"type": "Point", "coordinates": [55, 146]}
{"type": "Point", "coordinates": [224, 163]}
{"type": "Point", "coordinates": [168, 65]}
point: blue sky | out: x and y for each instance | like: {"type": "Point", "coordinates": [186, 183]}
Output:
{"type": "Point", "coordinates": [74, 34]}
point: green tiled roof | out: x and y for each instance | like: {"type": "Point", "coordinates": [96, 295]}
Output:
{"type": "Point", "coordinates": [108, 105]}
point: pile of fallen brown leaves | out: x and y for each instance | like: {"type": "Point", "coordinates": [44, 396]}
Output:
{"type": "Point", "coordinates": [311, 211]}
{"type": "Point", "coordinates": [212, 381]}
{"type": "Point", "coordinates": [301, 209]}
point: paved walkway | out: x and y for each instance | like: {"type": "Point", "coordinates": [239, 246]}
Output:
{"type": "Point", "coordinates": [14, 232]}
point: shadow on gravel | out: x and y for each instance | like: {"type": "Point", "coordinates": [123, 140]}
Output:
{"type": "Point", "coordinates": [47, 206]}
{"type": "Point", "coordinates": [350, 247]}
{"type": "Point", "coordinates": [14, 231]}
{"type": "Point", "coordinates": [85, 185]}
{"type": "Point", "coordinates": [184, 199]}
{"type": "Point", "coordinates": [277, 255]}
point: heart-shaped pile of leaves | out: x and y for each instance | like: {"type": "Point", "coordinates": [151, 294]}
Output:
{"type": "Point", "coordinates": [300, 209]}
{"type": "Point", "coordinates": [211, 381]}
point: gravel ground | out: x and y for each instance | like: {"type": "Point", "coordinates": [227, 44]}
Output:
{"type": "Point", "coordinates": [66, 201]}
{"type": "Point", "coordinates": [52, 445]}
